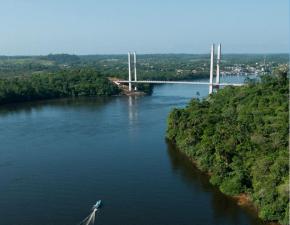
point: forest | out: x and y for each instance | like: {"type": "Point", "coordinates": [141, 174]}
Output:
{"type": "Point", "coordinates": [149, 66]}
{"type": "Point", "coordinates": [239, 136]}
{"type": "Point", "coordinates": [64, 83]}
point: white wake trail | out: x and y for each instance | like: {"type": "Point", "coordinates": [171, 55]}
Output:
{"type": "Point", "coordinates": [90, 219]}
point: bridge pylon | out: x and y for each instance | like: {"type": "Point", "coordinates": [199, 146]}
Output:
{"type": "Point", "coordinates": [211, 69]}
{"type": "Point", "coordinates": [135, 70]}
{"type": "Point", "coordinates": [130, 54]}
{"type": "Point", "coordinates": [217, 82]}
{"type": "Point", "coordinates": [129, 71]}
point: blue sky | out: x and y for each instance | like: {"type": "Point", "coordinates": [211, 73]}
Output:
{"type": "Point", "coordinates": [32, 27]}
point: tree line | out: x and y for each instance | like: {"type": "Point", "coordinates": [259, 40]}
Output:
{"type": "Point", "coordinates": [150, 66]}
{"type": "Point", "coordinates": [65, 83]}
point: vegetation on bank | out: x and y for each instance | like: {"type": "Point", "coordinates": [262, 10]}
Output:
{"type": "Point", "coordinates": [240, 136]}
{"type": "Point", "coordinates": [146, 88]}
{"type": "Point", "coordinates": [65, 83]}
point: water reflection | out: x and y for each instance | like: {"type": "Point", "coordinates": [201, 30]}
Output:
{"type": "Point", "coordinates": [132, 109]}
{"type": "Point", "coordinates": [222, 205]}
{"type": "Point", "coordinates": [28, 108]}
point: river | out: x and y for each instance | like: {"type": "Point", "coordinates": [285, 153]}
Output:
{"type": "Point", "coordinates": [58, 157]}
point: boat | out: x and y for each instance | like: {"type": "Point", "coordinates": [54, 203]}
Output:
{"type": "Point", "coordinates": [97, 205]}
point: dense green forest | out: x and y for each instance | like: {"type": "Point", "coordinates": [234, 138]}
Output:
{"type": "Point", "coordinates": [65, 83]}
{"type": "Point", "coordinates": [150, 66]}
{"type": "Point", "coordinates": [240, 137]}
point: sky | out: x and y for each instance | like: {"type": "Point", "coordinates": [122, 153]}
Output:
{"type": "Point", "coordinates": [40, 27]}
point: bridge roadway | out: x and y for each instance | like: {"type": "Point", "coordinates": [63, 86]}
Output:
{"type": "Point", "coordinates": [175, 82]}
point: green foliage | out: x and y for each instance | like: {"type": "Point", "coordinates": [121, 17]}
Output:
{"type": "Point", "coordinates": [150, 66]}
{"type": "Point", "coordinates": [147, 88]}
{"type": "Point", "coordinates": [86, 82]}
{"type": "Point", "coordinates": [232, 185]}
{"type": "Point", "coordinates": [240, 136]}
{"type": "Point", "coordinates": [62, 58]}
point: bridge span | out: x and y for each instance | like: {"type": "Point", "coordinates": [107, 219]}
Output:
{"type": "Point", "coordinates": [174, 82]}
{"type": "Point", "coordinates": [212, 84]}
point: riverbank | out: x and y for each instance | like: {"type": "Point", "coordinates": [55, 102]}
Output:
{"type": "Point", "coordinates": [242, 200]}
{"type": "Point", "coordinates": [137, 89]}
{"type": "Point", "coordinates": [125, 88]}
{"type": "Point", "coordinates": [240, 137]}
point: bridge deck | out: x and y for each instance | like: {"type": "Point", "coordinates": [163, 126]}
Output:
{"type": "Point", "coordinates": [175, 82]}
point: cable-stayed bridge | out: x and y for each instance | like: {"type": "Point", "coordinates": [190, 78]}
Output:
{"type": "Point", "coordinates": [212, 85]}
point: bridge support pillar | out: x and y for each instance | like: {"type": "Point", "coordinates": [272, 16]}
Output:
{"type": "Point", "coordinates": [218, 66]}
{"type": "Point", "coordinates": [215, 85]}
{"type": "Point", "coordinates": [211, 69]}
{"type": "Point", "coordinates": [129, 71]}
{"type": "Point", "coordinates": [135, 70]}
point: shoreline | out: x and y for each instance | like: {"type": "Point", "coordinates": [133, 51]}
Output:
{"type": "Point", "coordinates": [243, 200]}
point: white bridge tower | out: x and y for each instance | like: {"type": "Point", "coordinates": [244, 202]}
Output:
{"type": "Point", "coordinates": [130, 54]}
{"type": "Point", "coordinates": [212, 85]}
{"type": "Point", "coordinates": [211, 74]}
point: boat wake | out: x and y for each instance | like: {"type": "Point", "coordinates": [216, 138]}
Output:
{"type": "Point", "coordinates": [90, 219]}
